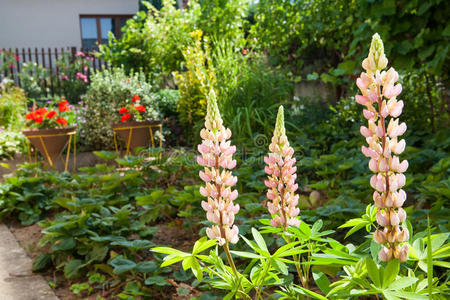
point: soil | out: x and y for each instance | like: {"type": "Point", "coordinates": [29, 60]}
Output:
{"type": "Point", "coordinates": [83, 159]}
{"type": "Point", "coordinates": [174, 236]}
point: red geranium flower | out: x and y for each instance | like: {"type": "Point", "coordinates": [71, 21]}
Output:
{"type": "Point", "coordinates": [41, 111]}
{"type": "Point", "coordinates": [125, 117]}
{"type": "Point", "coordinates": [140, 108]}
{"type": "Point", "coordinates": [61, 121]}
{"type": "Point", "coordinates": [135, 98]}
{"type": "Point", "coordinates": [123, 110]}
{"type": "Point", "coordinates": [38, 119]}
{"type": "Point", "coordinates": [30, 116]}
{"type": "Point", "coordinates": [63, 106]}
{"type": "Point", "coordinates": [51, 114]}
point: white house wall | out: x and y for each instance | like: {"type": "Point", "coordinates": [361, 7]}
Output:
{"type": "Point", "coordinates": [52, 23]}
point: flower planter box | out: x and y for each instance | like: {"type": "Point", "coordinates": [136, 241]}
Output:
{"type": "Point", "coordinates": [136, 134]}
{"type": "Point", "coordinates": [52, 142]}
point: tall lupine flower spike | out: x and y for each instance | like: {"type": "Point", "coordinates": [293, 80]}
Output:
{"type": "Point", "coordinates": [378, 87]}
{"type": "Point", "coordinates": [281, 184]}
{"type": "Point", "coordinates": [217, 159]}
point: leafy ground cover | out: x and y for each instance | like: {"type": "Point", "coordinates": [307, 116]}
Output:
{"type": "Point", "coordinates": [103, 220]}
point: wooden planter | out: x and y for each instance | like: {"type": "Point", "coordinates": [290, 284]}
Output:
{"type": "Point", "coordinates": [137, 134]}
{"type": "Point", "coordinates": [52, 142]}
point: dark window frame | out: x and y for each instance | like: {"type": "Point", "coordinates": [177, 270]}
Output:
{"type": "Point", "coordinates": [97, 17]}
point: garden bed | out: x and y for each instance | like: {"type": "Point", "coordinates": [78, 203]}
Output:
{"type": "Point", "coordinates": [169, 234]}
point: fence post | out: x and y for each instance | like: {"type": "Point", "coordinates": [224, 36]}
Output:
{"type": "Point", "coordinates": [52, 91]}
{"type": "Point", "coordinates": [73, 50]}
{"type": "Point", "coordinates": [17, 58]}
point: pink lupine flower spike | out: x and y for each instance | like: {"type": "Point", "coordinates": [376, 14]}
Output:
{"type": "Point", "coordinates": [379, 96]}
{"type": "Point", "coordinates": [281, 173]}
{"type": "Point", "coordinates": [217, 159]}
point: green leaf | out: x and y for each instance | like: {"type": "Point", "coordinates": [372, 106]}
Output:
{"type": "Point", "coordinates": [281, 251]}
{"type": "Point", "coordinates": [171, 251]}
{"type": "Point", "coordinates": [438, 240]}
{"type": "Point", "coordinates": [444, 264]}
{"type": "Point", "coordinates": [259, 240]}
{"type": "Point", "coordinates": [64, 244]}
{"type": "Point", "coordinates": [279, 266]}
{"type": "Point", "coordinates": [320, 185]}
{"type": "Point", "coordinates": [429, 258]}
{"type": "Point", "coordinates": [247, 254]}
{"type": "Point", "coordinates": [203, 244]}
{"type": "Point", "coordinates": [306, 292]}
{"type": "Point", "coordinates": [322, 281]}
{"type": "Point", "coordinates": [98, 253]}
{"type": "Point", "coordinates": [147, 267]}
{"type": "Point", "coordinates": [402, 283]}
{"type": "Point", "coordinates": [187, 262]}
{"type": "Point", "coordinates": [170, 260]}
{"type": "Point", "coordinates": [106, 155]}
{"type": "Point", "coordinates": [390, 295]}
{"type": "Point", "coordinates": [391, 272]}
{"type": "Point", "coordinates": [156, 280]}
{"type": "Point", "coordinates": [373, 272]}
{"type": "Point", "coordinates": [41, 262]}
{"type": "Point", "coordinates": [408, 295]}
{"type": "Point", "coordinates": [357, 224]}
{"type": "Point", "coordinates": [304, 228]}
{"type": "Point", "coordinates": [312, 76]}
{"type": "Point", "coordinates": [122, 265]}
{"type": "Point", "coordinates": [72, 268]}
{"type": "Point", "coordinates": [317, 226]}
{"type": "Point", "coordinates": [197, 270]}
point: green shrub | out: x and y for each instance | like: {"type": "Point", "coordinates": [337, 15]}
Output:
{"type": "Point", "coordinates": [250, 103]}
{"type": "Point", "coordinates": [12, 107]}
{"type": "Point", "coordinates": [12, 111]}
{"type": "Point", "coordinates": [167, 102]}
{"type": "Point", "coordinates": [11, 143]}
{"type": "Point", "coordinates": [195, 84]}
{"type": "Point", "coordinates": [154, 40]}
{"type": "Point", "coordinates": [324, 38]}
{"type": "Point", "coordinates": [224, 20]}
{"type": "Point", "coordinates": [109, 90]}
{"type": "Point", "coordinates": [32, 76]}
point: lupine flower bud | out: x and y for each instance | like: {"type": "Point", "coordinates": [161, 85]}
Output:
{"type": "Point", "coordinates": [379, 236]}
{"type": "Point", "coordinates": [379, 87]}
{"type": "Point", "coordinates": [281, 180]}
{"type": "Point", "coordinates": [385, 254]}
{"type": "Point", "coordinates": [217, 159]}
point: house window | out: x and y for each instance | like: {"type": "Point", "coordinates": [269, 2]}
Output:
{"type": "Point", "coordinates": [95, 28]}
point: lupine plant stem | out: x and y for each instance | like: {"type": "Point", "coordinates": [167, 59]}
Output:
{"type": "Point", "coordinates": [230, 260]}
{"type": "Point", "coordinates": [259, 287]}
{"type": "Point", "coordinates": [297, 260]}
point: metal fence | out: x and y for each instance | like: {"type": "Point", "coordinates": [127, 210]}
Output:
{"type": "Point", "coordinates": [47, 59]}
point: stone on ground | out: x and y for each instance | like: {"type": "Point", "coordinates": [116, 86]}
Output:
{"type": "Point", "coordinates": [17, 282]}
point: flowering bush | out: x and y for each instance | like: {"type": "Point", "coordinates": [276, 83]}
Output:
{"type": "Point", "coordinates": [74, 72]}
{"type": "Point", "coordinates": [49, 117]}
{"type": "Point", "coordinates": [8, 60]}
{"type": "Point", "coordinates": [195, 83]}
{"type": "Point", "coordinates": [132, 111]}
{"type": "Point", "coordinates": [108, 92]}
